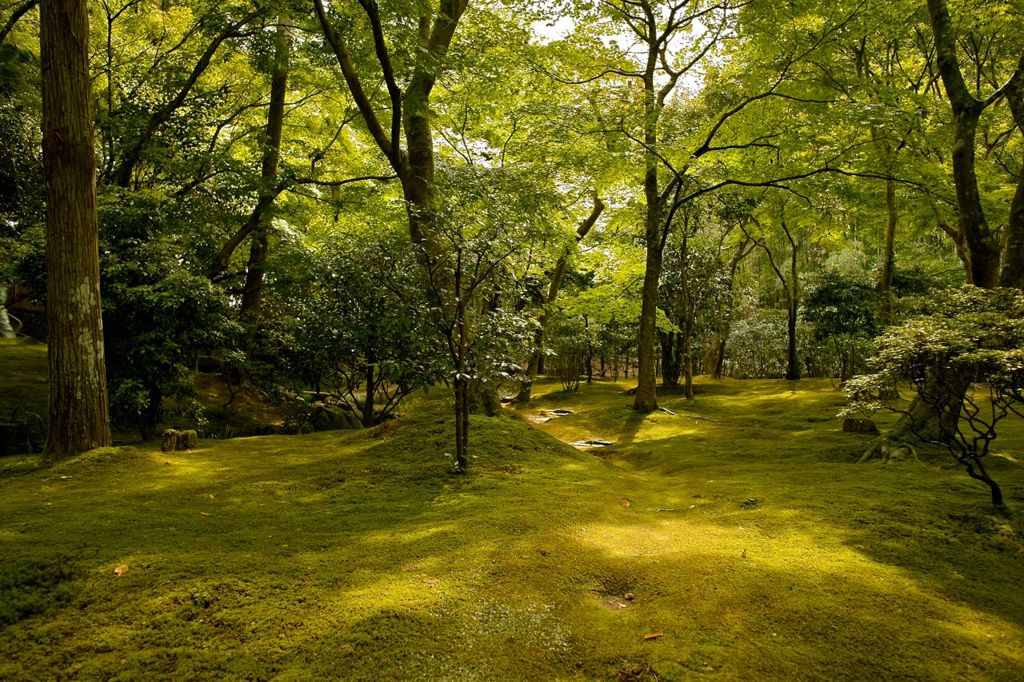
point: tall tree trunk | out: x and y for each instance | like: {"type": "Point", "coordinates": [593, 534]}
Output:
{"type": "Point", "coordinates": [78, 416]}
{"type": "Point", "coordinates": [655, 232]}
{"type": "Point", "coordinates": [792, 310]}
{"type": "Point", "coordinates": [967, 109]}
{"type": "Point", "coordinates": [670, 356]}
{"type": "Point", "coordinates": [792, 357]}
{"type": "Point", "coordinates": [414, 166]}
{"type": "Point", "coordinates": [888, 253]}
{"type": "Point", "coordinates": [252, 293]}
{"type": "Point", "coordinates": [1012, 272]}
{"type": "Point", "coordinates": [686, 348]}
{"type": "Point", "coordinates": [369, 382]}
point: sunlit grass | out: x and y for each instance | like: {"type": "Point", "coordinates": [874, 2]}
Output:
{"type": "Point", "coordinates": [356, 555]}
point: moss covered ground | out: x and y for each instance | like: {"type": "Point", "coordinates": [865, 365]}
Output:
{"type": "Point", "coordinates": [733, 540]}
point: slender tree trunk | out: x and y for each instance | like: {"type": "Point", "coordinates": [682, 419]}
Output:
{"type": "Point", "coordinates": [686, 348]}
{"type": "Point", "coordinates": [78, 389]}
{"type": "Point", "coordinates": [368, 406]}
{"type": "Point", "coordinates": [462, 379]}
{"type": "Point", "coordinates": [654, 241]}
{"type": "Point", "coordinates": [792, 308]}
{"type": "Point", "coordinates": [888, 253]}
{"type": "Point", "coordinates": [252, 293]}
{"type": "Point", "coordinates": [535, 365]}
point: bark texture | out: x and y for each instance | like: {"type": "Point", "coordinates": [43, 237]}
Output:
{"type": "Point", "coordinates": [252, 292]}
{"type": "Point", "coordinates": [78, 389]}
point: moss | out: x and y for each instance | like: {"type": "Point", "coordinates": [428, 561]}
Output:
{"type": "Point", "coordinates": [356, 555]}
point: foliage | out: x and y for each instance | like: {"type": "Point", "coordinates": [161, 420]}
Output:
{"type": "Point", "coordinates": [971, 344]}
{"type": "Point", "coordinates": [158, 318]}
{"type": "Point", "coordinates": [757, 346]}
{"type": "Point", "coordinates": [364, 325]}
{"type": "Point", "coordinates": [572, 344]}
{"type": "Point", "coordinates": [843, 311]}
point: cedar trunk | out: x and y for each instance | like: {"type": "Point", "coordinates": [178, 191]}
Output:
{"type": "Point", "coordinates": [78, 389]}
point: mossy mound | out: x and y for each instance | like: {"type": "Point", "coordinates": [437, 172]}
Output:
{"type": "Point", "coordinates": [357, 555]}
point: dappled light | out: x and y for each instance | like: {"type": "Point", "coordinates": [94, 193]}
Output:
{"type": "Point", "coordinates": [628, 340]}
{"type": "Point", "coordinates": [750, 557]}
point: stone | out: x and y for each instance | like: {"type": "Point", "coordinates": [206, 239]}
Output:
{"type": "Point", "coordinates": [852, 425]}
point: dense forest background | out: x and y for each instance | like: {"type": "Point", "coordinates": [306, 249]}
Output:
{"type": "Point", "coordinates": [360, 199]}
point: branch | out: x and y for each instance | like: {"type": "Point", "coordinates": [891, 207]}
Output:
{"type": "Point", "coordinates": [123, 174]}
{"type": "Point", "coordinates": [348, 70]}
{"type": "Point", "coordinates": [17, 14]}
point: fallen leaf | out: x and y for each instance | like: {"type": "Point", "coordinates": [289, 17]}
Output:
{"type": "Point", "coordinates": [204, 514]}
{"type": "Point", "coordinates": [653, 635]}
{"type": "Point", "coordinates": [625, 502]}
{"type": "Point", "coordinates": [121, 570]}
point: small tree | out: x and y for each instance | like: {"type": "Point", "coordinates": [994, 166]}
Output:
{"type": "Point", "coordinates": [362, 331]}
{"type": "Point", "coordinates": [972, 344]}
{"type": "Point", "coordinates": [842, 310]}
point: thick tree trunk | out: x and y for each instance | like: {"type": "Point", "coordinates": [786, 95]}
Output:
{"type": "Point", "coordinates": [1012, 272]}
{"type": "Point", "coordinates": [78, 389]}
{"type": "Point", "coordinates": [646, 397]}
{"type": "Point", "coordinates": [967, 109]}
{"type": "Point", "coordinates": [670, 359]}
{"type": "Point", "coordinates": [252, 293]}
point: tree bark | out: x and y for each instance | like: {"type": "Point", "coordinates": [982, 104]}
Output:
{"type": "Point", "coordinates": [967, 109]}
{"type": "Point", "coordinates": [1012, 271]}
{"type": "Point", "coordinates": [792, 310]}
{"type": "Point", "coordinates": [252, 293]}
{"type": "Point", "coordinates": [671, 367]}
{"type": "Point", "coordinates": [646, 394]}
{"type": "Point", "coordinates": [368, 405]}
{"type": "Point", "coordinates": [78, 417]}
{"type": "Point", "coordinates": [888, 253]}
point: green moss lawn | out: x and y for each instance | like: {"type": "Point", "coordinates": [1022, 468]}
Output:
{"type": "Point", "coordinates": [734, 540]}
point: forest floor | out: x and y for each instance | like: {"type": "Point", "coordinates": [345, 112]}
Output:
{"type": "Point", "coordinates": [734, 540]}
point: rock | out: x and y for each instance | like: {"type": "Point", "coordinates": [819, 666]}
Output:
{"type": "Point", "coordinates": [851, 425]}
{"type": "Point", "coordinates": [332, 418]}
{"type": "Point", "coordinates": [592, 443]}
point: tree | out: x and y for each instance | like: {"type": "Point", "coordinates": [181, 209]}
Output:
{"type": "Point", "coordinates": [982, 240]}
{"type": "Point", "coordinates": [78, 387]}
{"type": "Point", "coordinates": [971, 343]}
{"type": "Point", "coordinates": [843, 311]}
{"type": "Point", "coordinates": [362, 331]}
{"type": "Point", "coordinates": [788, 276]}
